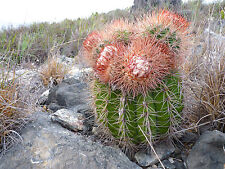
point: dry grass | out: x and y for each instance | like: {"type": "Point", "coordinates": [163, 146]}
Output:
{"type": "Point", "coordinates": [12, 110]}
{"type": "Point", "coordinates": [53, 72]}
{"type": "Point", "coordinates": [205, 84]}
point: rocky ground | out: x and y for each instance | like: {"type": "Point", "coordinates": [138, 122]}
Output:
{"type": "Point", "coordinates": [61, 135]}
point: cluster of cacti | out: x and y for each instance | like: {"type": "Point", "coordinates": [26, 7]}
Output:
{"type": "Point", "coordinates": [137, 92]}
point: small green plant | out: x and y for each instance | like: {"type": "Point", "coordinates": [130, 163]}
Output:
{"type": "Point", "coordinates": [222, 14]}
{"type": "Point", "coordinates": [138, 89]}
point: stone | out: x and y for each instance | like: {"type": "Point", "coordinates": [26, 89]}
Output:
{"type": "Point", "coordinates": [76, 67]}
{"type": "Point", "coordinates": [171, 160]}
{"type": "Point", "coordinates": [167, 164]}
{"type": "Point", "coordinates": [78, 72]}
{"type": "Point", "coordinates": [68, 94]}
{"type": "Point", "coordinates": [72, 94]}
{"type": "Point", "coordinates": [154, 167]}
{"type": "Point", "coordinates": [54, 107]}
{"type": "Point", "coordinates": [184, 155]}
{"type": "Point", "coordinates": [69, 62]}
{"type": "Point", "coordinates": [179, 164]}
{"type": "Point", "coordinates": [214, 36]}
{"type": "Point", "coordinates": [163, 150]}
{"type": "Point", "coordinates": [69, 119]}
{"type": "Point", "coordinates": [48, 145]}
{"type": "Point", "coordinates": [43, 98]}
{"type": "Point", "coordinates": [208, 151]}
{"type": "Point", "coordinates": [189, 137]}
{"type": "Point", "coordinates": [143, 158]}
{"type": "Point", "coordinates": [31, 86]}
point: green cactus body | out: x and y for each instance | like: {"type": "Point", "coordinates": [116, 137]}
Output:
{"type": "Point", "coordinates": [122, 114]}
{"type": "Point", "coordinates": [123, 36]}
{"type": "Point", "coordinates": [166, 35]}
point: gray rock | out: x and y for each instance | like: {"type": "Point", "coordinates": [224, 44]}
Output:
{"type": "Point", "coordinates": [208, 152]}
{"type": "Point", "coordinates": [47, 145]}
{"type": "Point", "coordinates": [70, 93]}
{"type": "Point", "coordinates": [214, 36]}
{"type": "Point", "coordinates": [54, 107]}
{"type": "Point", "coordinates": [43, 98]}
{"type": "Point", "coordinates": [143, 158]}
{"type": "Point", "coordinates": [30, 84]}
{"type": "Point", "coordinates": [69, 119]}
{"type": "Point", "coordinates": [163, 150]}
{"type": "Point", "coordinates": [78, 72]}
{"type": "Point", "coordinates": [167, 164]}
{"type": "Point", "coordinates": [179, 164]}
{"type": "Point", "coordinates": [69, 62]}
{"type": "Point", "coordinates": [189, 137]}
{"type": "Point", "coordinates": [155, 167]}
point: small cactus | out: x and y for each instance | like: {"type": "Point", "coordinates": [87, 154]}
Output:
{"type": "Point", "coordinates": [138, 87]}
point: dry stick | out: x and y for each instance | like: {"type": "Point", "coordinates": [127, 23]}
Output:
{"type": "Point", "coordinates": [152, 148]}
{"type": "Point", "coordinates": [65, 43]}
{"type": "Point", "coordinates": [199, 125]}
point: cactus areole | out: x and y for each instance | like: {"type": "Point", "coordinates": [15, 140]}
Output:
{"type": "Point", "coordinates": [137, 92]}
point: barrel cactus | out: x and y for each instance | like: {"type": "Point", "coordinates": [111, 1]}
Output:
{"type": "Point", "coordinates": [137, 92]}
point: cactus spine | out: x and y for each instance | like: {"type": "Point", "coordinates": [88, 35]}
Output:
{"type": "Point", "coordinates": [137, 85]}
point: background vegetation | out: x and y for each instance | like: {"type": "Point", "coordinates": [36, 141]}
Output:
{"type": "Point", "coordinates": [34, 42]}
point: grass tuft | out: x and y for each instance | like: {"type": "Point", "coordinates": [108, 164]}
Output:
{"type": "Point", "coordinates": [53, 71]}
{"type": "Point", "coordinates": [205, 85]}
{"type": "Point", "coordinates": [12, 110]}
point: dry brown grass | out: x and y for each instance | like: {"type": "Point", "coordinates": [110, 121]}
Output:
{"type": "Point", "coordinates": [53, 72]}
{"type": "Point", "coordinates": [12, 110]}
{"type": "Point", "coordinates": [205, 84]}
